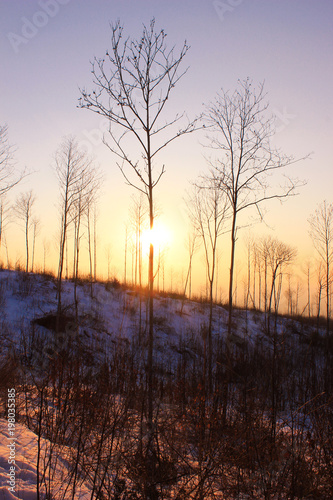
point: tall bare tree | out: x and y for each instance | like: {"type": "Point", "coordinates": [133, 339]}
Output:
{"type": "Point", "coordinates": [241, 131]}
{"type": "Point", "coordinates": [36, 229]}
{"type": "Point", "coordinates": [87, 188]}
{"type": "Point", "coordinates": [5, 214]}
{"type": "Point", "coordinates": [307, 272]}
{"type": "Point", "coordinates": [95, 239]}
{"type": "Point", "coordinates": [72, 165]}
{"type": "Point", "coordinates": [23, 210]}
{"type": "Point", "coordinates": [320, 287]}
{"type": "Point", "coordinates": [321, 232]}
{"type": "Point", "coordinates": [133, 83]}
{"type": "Point", "coordinates": [192, 246]}
{"type": "Point", "coordinates": [138, 215]}
{"type": "Point", "coordinates": [92, 235]}
{"type": "Point", "coordinates": [46, 249]}
{"type": "Point", "coordinates": [208, 209]}
{"type": "Point", "coordinates": [138, 220]}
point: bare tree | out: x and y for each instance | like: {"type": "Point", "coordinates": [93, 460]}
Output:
{"type": "Point", "coordinates": [5, 215]}
{"type": "Point", "coordinates": [256, 273]}
{"type": "Point", "coordinates": [307, 272]}
{"type": "Point", "coordinates": [241, 133]}
{"type": "Point", "coordinates": [125, 254]}
{"type": "Point", "coordinates": [71, 167]}
{"type": "Point", "coordinates": [247, 285]}
{"type": "Point", "coordinates": [321, 232]}
{"type": "Point", "coordinates": [92, 231]}
{"type": "Point", "coordinates": [95, 240]}
{"type": "Point", "coordinates": [138, 214]}
{"type": "Point", "coordinates": [36, 229]}
{"type": "Point", "coordinates": [90, 248]}
{"type": "Point", "coordinates": [192, 246]}
{"type": "Point", "coordinates": [7, 170]}
{"type": "Point", "coordinates": [23, 210]}
{"type": "Point", "coordinates": [279, 255]}
{"type": "Point", "coordinates": [208, 210]}
{"type": "Point", "coordinates": [87, 186]}
{"type": "Point", "coordinates": [108, 258]}
{"type": "Point", "coordinates": [133, 85]}
{"type": "Point", "coordinates": [320, 285]}
{"type": "Point", "coordinates": [46, 248]}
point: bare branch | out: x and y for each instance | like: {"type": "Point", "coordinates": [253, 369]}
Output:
{"type": "Point", "coordinates": [240, 131]}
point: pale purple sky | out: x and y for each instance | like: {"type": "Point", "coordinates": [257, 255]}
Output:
{"type": "Point", "coordinates": [46, 46]}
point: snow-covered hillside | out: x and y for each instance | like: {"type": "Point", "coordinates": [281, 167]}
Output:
{"type": "Point", "coordinates": [26, 450]}
{"type": "Point", "coordinates": [111, 314]}
{"type": "Point", "coordinates": [81, 392]}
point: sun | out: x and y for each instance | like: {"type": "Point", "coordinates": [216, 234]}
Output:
{"type": "Point", "coordinates": [159, 236]}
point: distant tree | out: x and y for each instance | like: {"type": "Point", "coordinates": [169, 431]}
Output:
{"type": "Point", "coordinates": [279, 255]}
{"type": "Point", "coordinates": [138, 216]}
{"type": "Point", "coordinates": [23, 211]}
{"type": "Point", "coordinates": [263, 260]}
{"type": "Point", "coordinates": [192, 246]}
{"type": "Point", "coordinates": [256, 274]}
{"type": "Point", "coordinates": [321, 232]}
{"type": "Point", "coordinates": [87, 186]}
{"type": "Point", "coordinates": [91, 215]}
{"type": "Point", "coordinates": [72, 166]}
{"type": "Point", "coordinates": [7, 171]}
{"type": "Point", "coordinates": [138, 219]}
{"type": "Point", "coordinates": [5, 214]}
{"type": "Point", "coordinates": [307, 271]}
{"type": "Point", "coordinates": [247, 285]}
{"type": "Point", "coordinates": [125, 253]}
{"type": "Point", "coordinates": [208, 211]}
{"type": "Point", "coordinates": [241, 133]}
{"type": "Point", "coordinates": [95, 217]}
{"type": "Point", "coordinates": [108, 258]}
{"type": "Point", "coordinates": [46, 248]}
{"type": "Point", "coordinates": [320, 287]}
{"type": "Point", "coordinates": [133, 85]}
{"type": "Point", "coordinates": [36, 229]}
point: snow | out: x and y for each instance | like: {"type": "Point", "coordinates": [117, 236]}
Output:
{"type": "Point", "coordinates": [26, 450]}
{"type": "Point", "coordinates": [25, 462]}
{"type": "Point", "coordinates": [109, 317]}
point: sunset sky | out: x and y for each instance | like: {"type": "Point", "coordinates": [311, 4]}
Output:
{"type": "Point", "coordinates": [46, 47]}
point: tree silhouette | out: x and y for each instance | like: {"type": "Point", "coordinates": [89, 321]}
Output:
{"type": "Point", "coordinates": [240, 132]}
{"type": "Point", "coordinates": [23, 210]}
{"type": "Point", "coordinates": [321, 232]}
{"type": "Point", "coordinates": [133, 83]}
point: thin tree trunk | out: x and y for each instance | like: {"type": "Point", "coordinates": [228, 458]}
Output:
{"type": "Point", "coordinates": [61, 264]}
{"type": "Point", "coordinates": [309, 295]}
{"type": "Point", "coordinates": [327, 292]}
{"type": "Point", "coordinates": [125, 263]}
{"type": "Point", "coordinates": [33, 250]}
{"type": "Point", "coordinates": [232, 263]}
{"type": "Point", "coordinates": [95, 245]}
{"type": "Point", "coordinates": [90, 251]}
{"type": "Point", "coordinates": [27, 243]}
{"type": "Point", "coordinates": [77, 263]}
